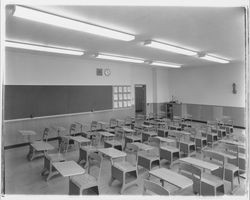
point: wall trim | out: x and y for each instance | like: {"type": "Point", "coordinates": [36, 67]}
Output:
{"type": "Point", "coordinates": [66, 115]}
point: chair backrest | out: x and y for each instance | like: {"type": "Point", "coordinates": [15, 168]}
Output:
{"type": "Point", "coordinates": [113, 122]}
{"type": "Point", "coordinates": [233, 149]}
{"type": "Point", "coordinates": [154, 187]}
{"type": "Point", "coordinates": [95, 138]}
{"type": "Point", "coordinates": [190, 170]}
{"type": "Point", "coordinates": [63, 147]}
{"type": "Point", "coordinates": [72, 129]}
{"type": "Point", "coordinates": [128, 121]}
{"type": "Point", "coordinates": [95, 160]}
{"type": "Point", "coordinates": [94, 125]}
{"type": "Point", "coordinates": [45, 135]}
{"type": "Point", "coordinates": [132, 150]}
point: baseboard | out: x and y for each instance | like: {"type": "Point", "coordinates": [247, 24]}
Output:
{"type": "Point", "coordinates": [204, 122]}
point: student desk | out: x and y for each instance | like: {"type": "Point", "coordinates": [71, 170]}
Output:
{"type": "Point", "coordinates": [143, 147]}
{"type": "Point", "coordinates": [146, 127]}
{"type": "Point", "coordinates": [166, 140]}
{"type": "Point", "coordinates": [127, 130]}
{"type": "Point", "coordinates": [68, 168]}
{"type": "Point", "coordinates": [80, 140]}
{"type": "Point", "coordinates": [113, 143]}
{"type": "Point", "coordinates": [84, 153]}
{"type": "Point", "coordinates": [102, 124]}
{"type": "Point", "coordinates": [226, 155]}
{"type": "Point", "coordinates": [120, 122]}
{"type": "Point", "coordinates": [171, 177]}
{"type": "Point", "coordinates": [162, 132]}
{"type": "Point", "coordinates": [105, 135]}
{"type": "Point", "coordinates": [148, 134]}
{"type": "Point", "coordinates": [112, 153]}
{"type": "Point", "coordinates": [38, 149]}
{"type": "Point", "coordinates": [174, 127]}
{"type": "Point", "coordinates": [200, 163]}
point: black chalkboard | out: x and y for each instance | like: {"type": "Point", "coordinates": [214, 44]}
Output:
{"type": "Point", "coordinates": [28, 101]}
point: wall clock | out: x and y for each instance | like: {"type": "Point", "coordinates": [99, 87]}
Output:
{"type": "Point", "coordinates": [107, 72]}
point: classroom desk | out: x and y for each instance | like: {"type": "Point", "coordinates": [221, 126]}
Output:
{"type": "Point", "coordinates": [80, 124]}
{"type": "Point", "coordinates": [27, 133]}
{"type": "Point", "coordinates": [120, 122]}
{"type": "Point", "coordinates": [174, 127]}
{"type": "Point", "coordinates": [148, 134]}
{"type": "Point", "coordinates": [127, 130]}
{"type": "Point", "coordinates": [103, 124]}
{"type": "Point", "coordinates": [200, 163]}
{"type": "Point", "coordinates": [113, 143]}
{"type": "Point", "coordinates": [171, 177]}
{"type": "Point", "coordinates": [84, 153]}
{"type": "Point", "coordinates": [112, 153]}
{"type": "Point", "coordinates": [166, 140]}
{"type": "Point", "coordinates": [146, 127]}
{"type": "Point", "coordinates": [143, 147]}
{"type": "Point", "coordinates": [226, 155]}
{"type": "Point", "coordinates": [68, 168]}
{"type": "Point", "coordinates": [106, 135]}
{"type": "Point", "coordinates": [38, 149]}
{"type": "Point", "coordinates": [80, 140]}
{"type": "Point", "coordinates": [162, 132]}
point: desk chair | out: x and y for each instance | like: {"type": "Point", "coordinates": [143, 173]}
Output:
{"type": "Point", "coordinates": [133, 137]}
{"type": "Point", "coordinates": [35, 149]}
{"type": "Point", "coordinates": [124, 171]}
{"type": "Point", "coordinates": [88, 181]}
{"type": "Point", "coordinates": [152, 188]}
{"type": "Point", "coordinates": [213, 182]}
{"type": "Point", "coordinates": [186, 146]}
{"type": "Point", "coordinates": [48, 169]}
{"type": "Point", "coordinates": [94, 126]}
{"type": "Point", "coordinates": [113, 123]}
{"type": "Point", "coordinates": [150, 159]}
{"type": "Point", "coordinates": [231, 168]}
{"type": "Point", "coordinates": [116, 142]}
{"type": "Point", "coordinates": [128, 121]}
{"type": "Point", "coordinates": [84, 154]}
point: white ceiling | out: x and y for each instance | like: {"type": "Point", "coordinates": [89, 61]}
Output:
{"type": "Point", "coordinates": [218, 31]}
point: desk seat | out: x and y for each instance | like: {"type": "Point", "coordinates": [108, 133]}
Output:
{"type": "Point", "coordinates": [211, 180]}
{"type": "Point", "coordinates": [57, 157]}
{"type": "Point", "coordinates": [84, 181]}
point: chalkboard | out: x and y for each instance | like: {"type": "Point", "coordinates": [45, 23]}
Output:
{"type": "Point", "coordinates": [28, 101]}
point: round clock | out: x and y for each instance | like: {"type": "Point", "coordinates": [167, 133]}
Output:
{"type": "Point", "coordinates": [107, 72]}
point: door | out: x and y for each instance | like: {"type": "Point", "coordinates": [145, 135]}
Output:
{"type": "Point", "coordinates": [140, 99]}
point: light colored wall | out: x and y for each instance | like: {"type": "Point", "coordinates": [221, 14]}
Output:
{"type": "Point", "coordinates": [26, 68]}
{"type": "Point", "coordinates": [209, 85]}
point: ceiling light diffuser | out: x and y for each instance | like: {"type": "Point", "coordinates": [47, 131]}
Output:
{"type": "Point", "coordinates": [120, 58]}
{"type": "Point", "coordinates": [171, 48]}
{"type": "Point", "coordinates": [215, 59]}
{"type": "Point", "coordinates": [163, 64]}
{"type": "Point", "coordinates": [51, 19]}
{"type": "Point", "coordinates": [38, 47]}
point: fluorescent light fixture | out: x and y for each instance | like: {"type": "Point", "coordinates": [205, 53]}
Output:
{"type": "Point", "coordinates": [215, 59]}
{"type": "Point", "coordinates": [51, 19]}
{"type": "Point", "coordinates": [120, 58]}
{"type": "Point", "coordinates": [38, 47]}
{"type": "Point", "coordinates": [163, 64]}
{"type": "Point", "coordinates": [171, 48]}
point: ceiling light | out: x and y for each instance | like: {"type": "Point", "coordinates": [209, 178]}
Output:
{"type": "Point", "coordinates": [38, 47]}
{"type": "Point", "coordinates": [51, 19]}
{"type": "Point", "coordinates": [171, 48]}
{"type": "Point", "coordinates": [162, 64]}
{"type": "Point", "coordinates": [214, 59]}
{"type": "Point", "coordinates": [120, 58]}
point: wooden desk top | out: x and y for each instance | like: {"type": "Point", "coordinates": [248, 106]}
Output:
{"type": "Point", "coordinates": [170, 148]}
{"type": "Point", "coordinates": [172, 177]}
{"type": "Point", "coordinates": [106, 134]}
{"type": "Point", "coordinates": [126, 129]}
{"type": "Point", "coordinates": [142, 146]}
{"type": "Point", "coordinates": [112, 152]}
{"type": "Point", "coordinates": [42, 146]}
{"type": "Point", "coordinates": [162, 139]}
{"type": "Point", "coordinates": [150, 133]}
{"type": "Point", "coordinates": [68, 168]}
{"type": "Point", "coordinates": [200, 163]}
{"type": "Point", "coordinates": [27, 132]}
{"type": "Point", "coordinates": [102, 123]}
{"type": "Point", "coordinates": [146, 126]}
{"type": "Point", "coordinates": [80, 139]}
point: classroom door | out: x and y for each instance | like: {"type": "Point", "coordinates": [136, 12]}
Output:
{"type": "Point", "coordinates": [140, 99]}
